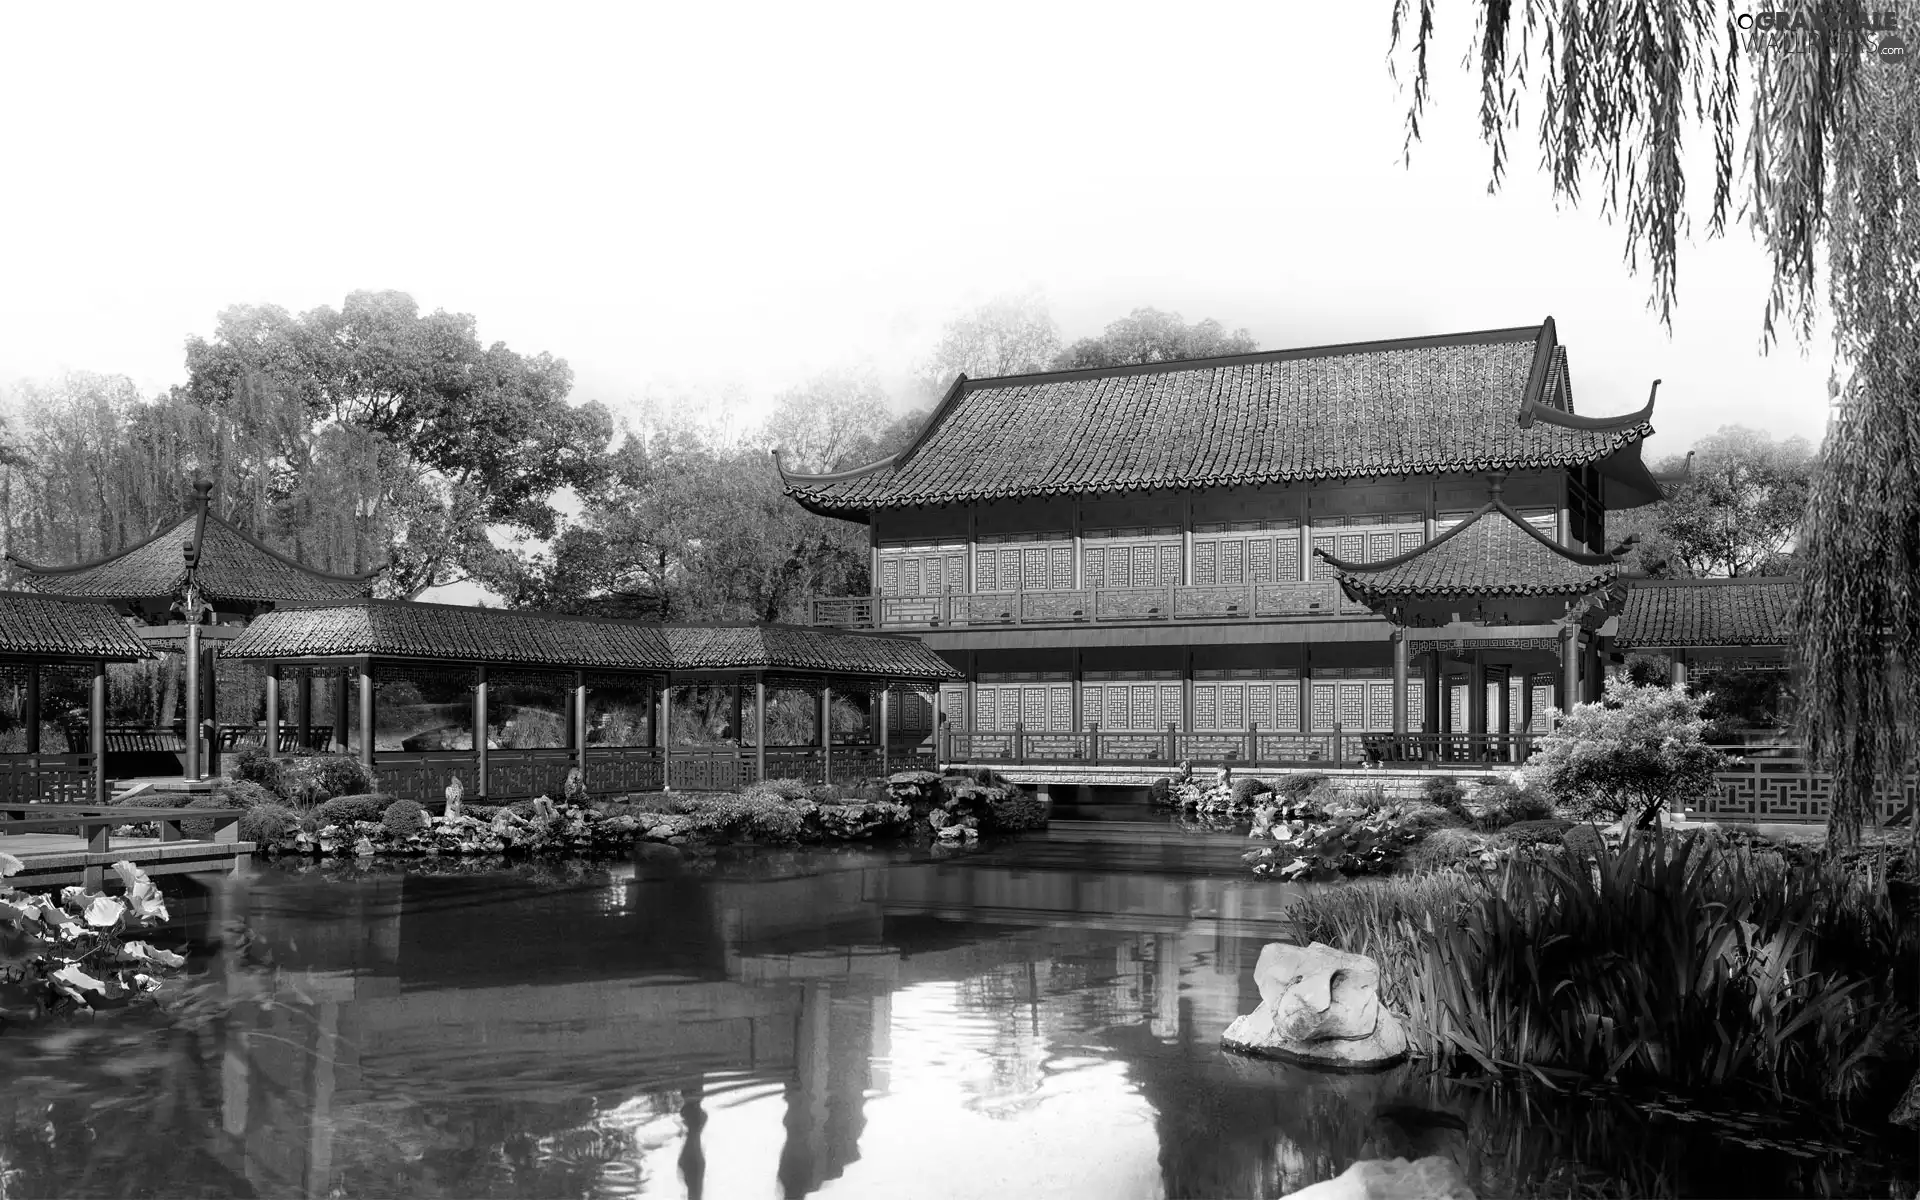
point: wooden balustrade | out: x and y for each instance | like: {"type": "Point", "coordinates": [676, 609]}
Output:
{"type": "Point", "coordinates": [1198, 602]}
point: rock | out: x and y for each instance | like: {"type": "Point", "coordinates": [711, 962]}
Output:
{"type": "Point", "coordinates": [660, 832]}
{"type": "Point", "coordinates": [1321, 1007]}
{"type": "Point", "coordinates": [1393, 1179]}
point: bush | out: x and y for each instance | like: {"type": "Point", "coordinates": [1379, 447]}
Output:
{"type": "Point", "coordinates": [267, 822]}
{"type": "Point", "coordinates": [251, 765]}
{"type": "Point", "coordinates": [307, 780]}
{"type": "Point", "coordinates": [1247, 788]}
{"type": "Point", "coordinates": [1639, 750]}
{"type": "Point", "coordinates": [1301, 784]}
{"type": "Point", "coordinates": [202, 827]}
{"type": "Point", "coordinates": [403, 818]}
{"type": "Point", "coordinates": [1444, 791]}
{"type": "Point", "coordinates": [244, 793]}
{"type": "Point", "coordinates": [780, 789]}
{"type": "Point", "coordinates": [1160, 792]}
{"type": "Point", "coordinates": [1016, 809]}
{"type": "Point", "coordinates": [345, 810]}
{"type": "Point", "coordinates": [1548, 831]}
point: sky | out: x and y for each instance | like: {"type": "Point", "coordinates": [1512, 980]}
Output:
{"type": "Point", "coordinates": [717, 201]}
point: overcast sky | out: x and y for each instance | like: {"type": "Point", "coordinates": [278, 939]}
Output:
{"type": "Point", "coordinates": [726, 198]}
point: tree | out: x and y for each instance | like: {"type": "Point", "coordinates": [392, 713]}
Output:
{"type": "Point", "coordinates": [1736, 511]}
{"type": "Point", "coordinates": [1147, 335]}
{"type": "Point", "coordinates": [817, 424]}
{"type": "Point", "coordinates": [1831, 163]}
{"type": "Point", "coordinates": [451, 436]}
{"type": "Point", "coordinates": [1009, 335]}
{"type": "Point", "coordinates": [1639, 750]}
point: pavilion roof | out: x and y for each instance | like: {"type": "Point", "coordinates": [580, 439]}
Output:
{"type": "Point", "coordinates": [1472, 402]}
{"type": "Point", "coordinates": [1679, 613]}
{"type": "Point", "coordinates": [227, 562]}
{"type": "Point", "coordinates": [507, 637]}
{"type": "Point", "coordinates": [1494, 552]}
{"type": "Point", "coordinates": [34, 626]}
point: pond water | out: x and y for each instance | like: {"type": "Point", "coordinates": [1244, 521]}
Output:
{"type": "Point", "coordinates": [1037, 1017]}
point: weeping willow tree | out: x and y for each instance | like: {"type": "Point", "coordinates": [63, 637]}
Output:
{"type": "Point", "coordinates": [1817, 133]}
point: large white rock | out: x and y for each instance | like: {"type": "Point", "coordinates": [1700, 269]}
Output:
{"type": "Point", "coordinates": [1319, 1006]}
{"type": "Point", "coordinates": [1392, 1179]}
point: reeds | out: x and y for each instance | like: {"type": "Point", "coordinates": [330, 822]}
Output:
{"type": "Point", "coordinates": [1671, 959]}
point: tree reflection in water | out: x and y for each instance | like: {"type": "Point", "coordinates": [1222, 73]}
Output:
{"type": "Point", "coordinates": [582, 1032]}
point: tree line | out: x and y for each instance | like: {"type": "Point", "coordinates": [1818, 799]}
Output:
{"type": "Point", "coordinates": [375, 435]}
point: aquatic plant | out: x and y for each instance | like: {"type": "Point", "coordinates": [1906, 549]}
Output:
{"type": "Point", "coordinates": [1669, 959]}
{"type": "Point", "coordinates": [74, 950]}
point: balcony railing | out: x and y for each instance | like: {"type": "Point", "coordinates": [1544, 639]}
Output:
{"type": "Point", "coordinates": [1206, 602]}
{"type": "Point", "coordinates": [1250, 748]}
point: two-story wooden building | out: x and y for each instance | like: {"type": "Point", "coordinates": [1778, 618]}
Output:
{"type": "Point", "coordinates": [1386, 549]}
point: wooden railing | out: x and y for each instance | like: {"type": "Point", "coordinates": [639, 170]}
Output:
{"type": "Point", "coordinates": [1777, 783]}
{"type": "Point", "coordinates": [617, 770]}
{"type": "Point", "coordinates": [1251, 747]}
{"type": "Point", "coordinates": [1206, 602]}
{"type": "Point", "coordinates": [47, 778]}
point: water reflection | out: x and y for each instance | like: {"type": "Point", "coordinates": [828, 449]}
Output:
{"type": "Point", "coordinates": [1042, 1016]}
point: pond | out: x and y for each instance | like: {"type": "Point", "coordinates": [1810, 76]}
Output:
{"type": "Point", "coordinates": [1035, 1017]}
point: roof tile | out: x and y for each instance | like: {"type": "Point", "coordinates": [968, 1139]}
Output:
{"type": "Point", "coordinates": [1708, 612]}
{"type": "Point", "coordinates": [44, 627]}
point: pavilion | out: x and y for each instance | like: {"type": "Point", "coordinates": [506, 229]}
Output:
{"type": "Point", "coordinates": [509, 702]}
{"type": "Point", "coordinates": [53, 696]}
{"type": "Point", "coordinates": [1491, 606]}
{"type": "Point", "coordinates": [1710, 625]}
{"type": "Point", "coordinates": [189, 588]}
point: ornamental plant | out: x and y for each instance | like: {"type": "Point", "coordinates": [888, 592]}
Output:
{"type": "Point", "coordinates": [1637, 751]}
{"type": "Point", "coordinates": [74, 951]}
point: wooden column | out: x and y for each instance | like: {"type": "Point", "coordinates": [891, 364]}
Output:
{"type": "Point", "coordinates": [273, 710]}
{"type": "Point", "coordinates": [1476, 701]}
{"type": "Point", "coordinates": [339, 744]}
{"type": "Point", "coordinates": [1569, 689]}
{"type": "Point", "coordinates": [1399, 640]}
{"type": "Point", "coordinates": [193, 700]}
{"type": "Point", "coordinates": [366, 713]}
{"type": "Point", "coordinates": [1506, 714]}
{"type": "Point", "coordinates": [580, 724]}
{"type": "Point", "coordinates": [666, 734]}
{"type": "Point", "coordinates": [480, 732]}
{"type": "Point", "coordinates": [826, 733]}
{"type": "Point", "coordinates": [303, 709]}
{"type": "Point", "coordinates": [1430, 701]}
{"type": "Point", "coordinates": [885, 707]}
{"type": "Point", "coordinates": [33, 708]}
{"type": "Point", "coordinates": [653, 718]}
{"type": "Point", "coordinates": [1526, 702]}
{"type": "Point", "coordinates": [1678, 661]}
{"type": "Point", "coordinates": [97, 730]}
{"type": "Point", "coordinates": [759, 726]}
{"type": "Point", "coordinates": [739, 716]}
{"type": "Point", "coordinates": [210, 706]}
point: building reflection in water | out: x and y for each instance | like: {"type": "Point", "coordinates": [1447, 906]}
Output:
{"type": "Point", "coordinates": [634, 1031]}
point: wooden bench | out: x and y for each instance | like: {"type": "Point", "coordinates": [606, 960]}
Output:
{"type": "Point", "coordinates": [125, 739]}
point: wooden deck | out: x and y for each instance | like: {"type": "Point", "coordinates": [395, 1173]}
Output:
{"type": "Point", "coordinates": [51, 856]}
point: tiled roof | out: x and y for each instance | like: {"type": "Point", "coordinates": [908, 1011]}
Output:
{"type": "Point", "coordinates": [1466, 402]}
{"type": "Point", "coordinates": [232, 566]}
{"type": "Point", "coordinates": [1495, 552]}
{"type": "Point", "coordinates": [1677, 613]}
{"type": "Point", "coordinates": [450, 633]}
{"type": "Point", "coordinates": [44, 627]}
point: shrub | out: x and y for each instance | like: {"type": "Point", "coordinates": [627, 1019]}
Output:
{"type": "Point", "coordinates": [267, 822]}
{"type": "Point", "coordinates": [307, 780]}
{"type": "Point", "coordinates": [403, 818]}
{"type": "Point", "coordinates": [1247, 788]}
{"type": "Point", "coordinates": [1016, 809]}
{"type": "Point", "coordinates": [1301, 784]}
{"type": "Point", "coordinates": [244, 793]}
{"type": "Point", "coordinates": [345, 810]}
{"type": "Point", "coordinates": [251, 765]}
{"type": "Point", "coordinates": [783, 789]}
{"type": "Point", "coordinates": [1548, 831]}
{"type": "Point", "coordinates": [202, 827]}
{"type": "Point", "coordinates": [1639, 750]}
{"type": "Point", "coordinates": [1444, 791]}
{"type": "Point", "coordinates": [825, 793]}
{"type": "Point", "coordinates": [1160, 792]}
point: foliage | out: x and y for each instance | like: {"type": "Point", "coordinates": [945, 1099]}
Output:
{"type": "Point", "coordinates": [243, 793]}
{"type": "Point", "coordinates": [1501, 803]}
{"type": "Point", "coordinates": [1302, 783]}
{"type": "Point", "coordinates": [1539, 831]}
{"type": "Point", "coordinates": [1638, 750]}
{"type": "Point", "coordinates": [268, 822]}
{"type": "Point", "coordinates": [1444, 791]}
{"type": "Point", "coordinates": [403, 818]}
{"type": "Point", "coordinates": [1672, 960]}
{"type": "Point", "coordinates": [1316, 842]}
{"type": "Point", "coordinates": [1832, 160]}
{"type": "Point", "coordinates": [344, 810]}
{"type": "Point", "coordinates": [782, 789]}
{"type": "Point", "coordinates": [302, 779]}
{"type": "Point", "coordinates": [1008, 335]}
{"type": "Point", "coordinates": [1736, 511]}
{"type": "Point", "coordinates": [1247, 789]}
{"type": "Point", "coordinates": [1147, 335]}
{"type": "Point", "coordinates": [1017, 809]}
{"type": "Point", "coordinates": [75, 952]}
